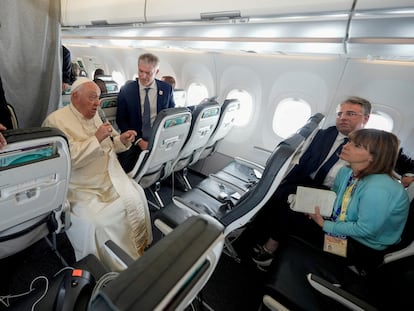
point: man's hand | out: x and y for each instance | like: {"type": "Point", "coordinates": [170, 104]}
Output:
{"type": "Point", "coordinates": [104, 131]}
{"type": "Point", "coordinates": [128, 137]}
{"type": "Point", "coordinates": [142, 144]}
{"type": "Point", "coordinates": [406, 180]}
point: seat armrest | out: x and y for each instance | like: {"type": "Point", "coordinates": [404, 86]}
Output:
{"type": "Point", "coordinates": [227, 184]}
{"type": "Point", "coordinates": [252, 165]}
{"type": "Point", "coordinates": [171, 273]}
{"type": "Point", "coordinates": [172, 216]}
{"type": "Point", "coordinates": [118, 254]}
{"type": "Point", "coordinates": [338, 294]}
{"type": "Point", "coordinates": [134, 173]}
{"type": "Point", "coordinates": [405, 252]}
{"type": "Point", "coordinates": [272, 304]}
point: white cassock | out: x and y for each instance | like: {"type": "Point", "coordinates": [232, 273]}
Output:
{"type": "Point", "coordinates": [106, 204]}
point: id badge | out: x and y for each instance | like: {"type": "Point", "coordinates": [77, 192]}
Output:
{"type": "Point", "coordinates": [335, 244]}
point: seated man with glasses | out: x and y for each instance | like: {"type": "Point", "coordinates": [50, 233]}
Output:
{"type": "Point", "coordinates": [317, 167]}
{"type": "Point", "coordinates": [349, 114]}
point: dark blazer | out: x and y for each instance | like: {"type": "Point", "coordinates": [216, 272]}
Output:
{"type": "Point", "coordinates": [404, 163]}
{"type": "Point", "coordinates": [66, 65]}
{"type": "Point", "coordinates": [5, 115]}
{"type": "Point", "coordinates": [128, 115]}
{"type": "Point", "coordinates": [314, 156]}
{"type": "Point", "coordinates": [318, 150]}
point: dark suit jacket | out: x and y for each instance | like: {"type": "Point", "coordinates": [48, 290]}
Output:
{"type": "Point", "coordinates": [66, 65]}
{"type": "Point", "coordinates": [404, 163]}
{"type": "Point", "coordinates": [314, 156]}
{"type": "Point", "coordinates": [318, 150]}
{"type": "Point", "coordinates": [128, 115]}
{"type": "Point", "coordinates": [5, 116]}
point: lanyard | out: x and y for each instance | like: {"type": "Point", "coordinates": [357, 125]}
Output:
{"type": "Point", "coordinates": [346, 198]}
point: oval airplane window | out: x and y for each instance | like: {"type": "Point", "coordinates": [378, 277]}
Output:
{"type": "Point", "coordinates": [118, 78]}
{"type": "Point", "coordinates": [381, 121]}
{"type": "Point", "coordinates": [290, 115]}
{"type": "Point", "coordinates": [246, 106]}
{"type": "Point", "coordinates": [196, 93]}
{"type": "Point", "coordinates": [180, 97]}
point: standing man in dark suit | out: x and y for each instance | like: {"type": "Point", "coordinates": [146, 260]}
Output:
{"type": "Point", "coordinates": [139, 102]}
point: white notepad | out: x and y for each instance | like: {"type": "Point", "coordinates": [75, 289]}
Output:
{"type": "Point", "coordinates": [307, 198]}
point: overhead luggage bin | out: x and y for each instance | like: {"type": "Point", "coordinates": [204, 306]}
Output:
{"type": "Point", "coordinates": [185, 10]}
{"type": "Point", "coordinates": [375, 4]}
{"type": "Point", "coordinates": [382, 31]}
{"type": "Point", "coordinates": [101, 12]}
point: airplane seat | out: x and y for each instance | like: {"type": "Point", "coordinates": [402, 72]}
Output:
{"type": "Point", "coordinates": [13, 116]}
{"type": "Point", "coordinates": [171, 273]}
{"type": "Point", "coordinates": [169, 133]}
{"type": "Point", "coordinates": [321, 282]}
{"type": "Point", "coordinates": [65, 99]}
{"type": "Point", "coordinates": [231, 211]}
{"type": "Point", "coordinates": [225, 187]}
{"type": "Point", "coordinates": [242, 175]}
{"type": "Point", "coordinates": [168, 276]}
{"type": "Point", "coordinates": [204, 120]}
{"type": "Point", "coordinates": [34, 167]}
{"type": "Point", "coordinates": [228, 114]}
{"type": "Point", "coordinates": [108, 104]}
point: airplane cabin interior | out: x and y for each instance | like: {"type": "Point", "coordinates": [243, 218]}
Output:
{"type": "Point", "coordinates": [255, 84]}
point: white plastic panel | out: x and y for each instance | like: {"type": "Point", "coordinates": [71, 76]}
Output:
{"type": "Point", "coordinates": [90, 12]}
{"type": "Point", "coordinates": [175, 10]}
{"type": "Point", "coordinates": [376, 4]}
{"type": "Point", "coordinates": [382, 30]}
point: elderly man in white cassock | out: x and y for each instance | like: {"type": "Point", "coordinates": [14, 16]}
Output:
{"type": "Point", "coordinates": [105, 202]}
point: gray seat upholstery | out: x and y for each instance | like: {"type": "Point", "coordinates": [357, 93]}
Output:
{"type": "Point", "coordinates": [232, 212]}
{"type": "Point", "coordinates": [169, 133]}
{"type": "Point", "coordinates": [108, 104]}
{"type": "Point", "coordinates": [310, 283]}
{"type": "Point", "coordinates": [34, 168]}
{"type": "Point", "coordinates": [319, 282]}
{"type": "Point", "coordinates": [168, 276]}
{"type": "Point", "coordinates": [171, 273]}
{"type": "Point", "coordinates": [204, 120]}
{"type": "Point", "coordinates": [65, 100]}
{"type": "Point", "coordinates": [228, 114]}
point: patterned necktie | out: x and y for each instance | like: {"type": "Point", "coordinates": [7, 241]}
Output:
{"type": "Point", "coordinates": [146, 117]}
{"type": "Point", "coordinates": [324, 169]}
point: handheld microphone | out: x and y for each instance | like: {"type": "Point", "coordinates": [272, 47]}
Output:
{"type": "Point", "coordinates": [102, 115]}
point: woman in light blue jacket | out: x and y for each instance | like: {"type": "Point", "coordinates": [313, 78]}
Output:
{"type": "Point", "coordinates": [371, 207]}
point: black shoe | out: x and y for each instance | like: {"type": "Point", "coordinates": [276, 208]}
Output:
{"type": "Point", "coordinates": [263, 258]}
{"type": "Point", "coordinates": [257, 249]}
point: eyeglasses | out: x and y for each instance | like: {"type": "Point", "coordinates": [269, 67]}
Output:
{"type": "Point", "coordinates": [350, 114]}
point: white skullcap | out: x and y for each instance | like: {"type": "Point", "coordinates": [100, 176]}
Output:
{"type": "Point", "coordinates": [78, 82]}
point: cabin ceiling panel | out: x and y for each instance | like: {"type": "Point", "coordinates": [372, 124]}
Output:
{"type": "Point", "coordinates": [101, 12]}
{"type": "Point", "coordinates": [384, 84]}
{"type": "Point", "coordinates": [386, 34]}
{"type": "Point", "coordinates": [373, 30]}
{"type": "Point", "coordinates": [375, 4]}
{"type": "Point", "coordinates": [185, 10]}
{"type": "Point", "coordinates": [283, 37]}
{"type": "Point", "coordinates": [104, 12]}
